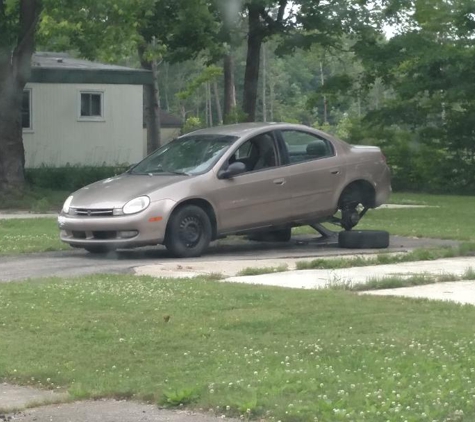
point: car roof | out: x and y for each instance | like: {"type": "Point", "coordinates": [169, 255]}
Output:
{"type": "Point", "coordinates": [244, 129]}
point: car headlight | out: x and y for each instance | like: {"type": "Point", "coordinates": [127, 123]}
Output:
{"type": "Point", "coordinates": [67, 204]}
{"type": "Point", "coordinates": [136, 205]}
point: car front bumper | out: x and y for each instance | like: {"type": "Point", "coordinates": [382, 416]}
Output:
{"type": "Point", "coordinates": [123, 231]}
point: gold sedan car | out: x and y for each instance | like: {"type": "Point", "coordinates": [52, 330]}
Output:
{"type": "Point", "coordinates": [238, 179]}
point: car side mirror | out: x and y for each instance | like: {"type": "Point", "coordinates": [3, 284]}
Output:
{"type": "Point", "coordinates": [233, 170]}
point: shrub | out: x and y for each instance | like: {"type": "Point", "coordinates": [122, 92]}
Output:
{"type": "Point", "coordinates": [70, 178]}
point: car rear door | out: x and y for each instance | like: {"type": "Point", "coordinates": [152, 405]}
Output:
{"type": "Point", "coordinates": [315, 173]}
{"type": "Point", "coordinates": [256, 198]}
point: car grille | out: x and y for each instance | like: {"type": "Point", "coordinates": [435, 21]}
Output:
{"type": "Point", "coordinates": [97, 212]}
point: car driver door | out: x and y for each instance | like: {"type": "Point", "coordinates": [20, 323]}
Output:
{"type": "Point", "coordinates": [257, 197]}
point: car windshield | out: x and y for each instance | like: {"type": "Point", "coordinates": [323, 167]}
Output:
{"type": "Point", "coordinates": [188, 155]}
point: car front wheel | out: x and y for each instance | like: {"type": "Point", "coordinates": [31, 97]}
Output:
{"type": "Point", "coordinates": [189, 232]}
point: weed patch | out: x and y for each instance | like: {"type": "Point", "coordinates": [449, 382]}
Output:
{"type": "Point", "coordinates": [265, 270]}
{"type": "Point", "coordinates": [427, 254]}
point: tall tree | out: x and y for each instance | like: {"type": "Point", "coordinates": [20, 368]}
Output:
{"type": "Point", "coordinates": [104, 30]}
{"type": "Point", "coordinates": [261, 25]}
{"type": "Point", "coordinates": [177, 30]}
{"type": "Point", "coordinates": [18, 25]}
{"type": "Point", "coordinates": [299, 23]}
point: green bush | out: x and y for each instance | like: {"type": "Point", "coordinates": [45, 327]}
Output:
{"type": "Point", "coordinates": [236, 115]}
{"type": "Point", "coordinates": [70, 178]}
{"type": "Point", "coordinates": [419, 164]}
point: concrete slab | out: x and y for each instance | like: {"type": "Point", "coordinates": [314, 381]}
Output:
{"type": "Point", "coordinates": [397, 206]}
{"type": "Point", "coordinates": [225, 267]}
{"type": "Point", "coordinates": [462, 292]}
{"type": "Point", "coordinates": [315, 279]}
{"type": "Point", "coordinates": [14, 397]}
{"type": "Point", "coordinates": [177, 268]}
{"type": "Point", "coordinates": [109, 411]}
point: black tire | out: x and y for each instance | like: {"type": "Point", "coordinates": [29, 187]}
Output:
{"type": "Point", "coordinates": [189, 232]}
{"type": "Point", "coordinates": [363, 239]}
{"type": "Point", "coordinates": [100, 249]}
{"type": "Point", "coordinates": [282, 235]}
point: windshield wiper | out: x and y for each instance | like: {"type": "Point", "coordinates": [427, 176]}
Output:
{"type": "Point", "coordinates": [163, 170]}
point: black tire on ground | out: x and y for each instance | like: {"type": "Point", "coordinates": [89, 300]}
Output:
{"type": "Point", "coordinates": [189, 232]}
{"type": "Point", "coordinates": [363, 239]}
{"type": "Point", "coordinates": [100, 249]}
{"type": "Point", "coordinates": [282, 235]}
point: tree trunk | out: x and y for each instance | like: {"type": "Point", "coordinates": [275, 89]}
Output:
{"type": "Point", "coordinates": [209, 107]}
{"type": "Point", "coordinates": [151, 103]}
{"type": "Point", "coordinates": [264, 85]}
{"type": "Point", "coordinates": [229, 87]}
{"type": "Point", "coordinates": [152, 120]}
{"type": "Point", "coordinates": [15, 69]}
{"type": "Point", "coordinates": [206, 106]}
{"type": "Point", "coordinates": [167, 84]}
{"type": "Point", "coordinates": [12, 153]}
{"type": "Point", "coordinates": [325, 107]}
{"type": "Point", "coordinates": [272, 98]}
{"type": "Point", "coordinates": [219, 111]}
{"type": "Point", "coordinates": [251, 77]}
{"type": "Point", "coordinates": [156, 140]}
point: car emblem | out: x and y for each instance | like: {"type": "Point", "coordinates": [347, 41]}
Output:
{"type": "Point", "coordinates": [89, 213]}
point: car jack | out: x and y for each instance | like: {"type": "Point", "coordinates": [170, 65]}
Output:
{"type": "Point", "coordinates": [327, 236]}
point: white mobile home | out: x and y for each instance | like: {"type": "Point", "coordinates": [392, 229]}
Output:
{"type": "Point", "coordinates": [79, 112]}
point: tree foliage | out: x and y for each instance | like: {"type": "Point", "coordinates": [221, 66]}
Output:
{"type": "Point", "coordinates": [430, 73]}
{"type": "Point", "coordinates": [327, 64]}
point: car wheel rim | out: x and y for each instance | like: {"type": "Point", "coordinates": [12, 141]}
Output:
{"type": "Point", "coordinates": [190, 231]}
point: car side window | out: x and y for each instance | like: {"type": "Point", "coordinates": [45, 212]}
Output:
{"type": "Point", "coordinates": [257, 153]}
{"type": "Point", "coordinates": [303, 146]}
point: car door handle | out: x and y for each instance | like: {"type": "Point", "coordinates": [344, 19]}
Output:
{"type": "Point", "coordinates": [335, 172]}
{"type": "Point", "coordinates": [279, 181]}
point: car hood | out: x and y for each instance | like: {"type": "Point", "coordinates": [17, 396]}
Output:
{"type": "Point", "coordinates": [117, 191]}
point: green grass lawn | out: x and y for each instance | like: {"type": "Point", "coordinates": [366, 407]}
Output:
{"type": "Point", "coordinates": [282, 354]}
{"type": "Point", "coordinates": [448, 217]}
{"type": "Point", "coordinates": [29, 235]}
